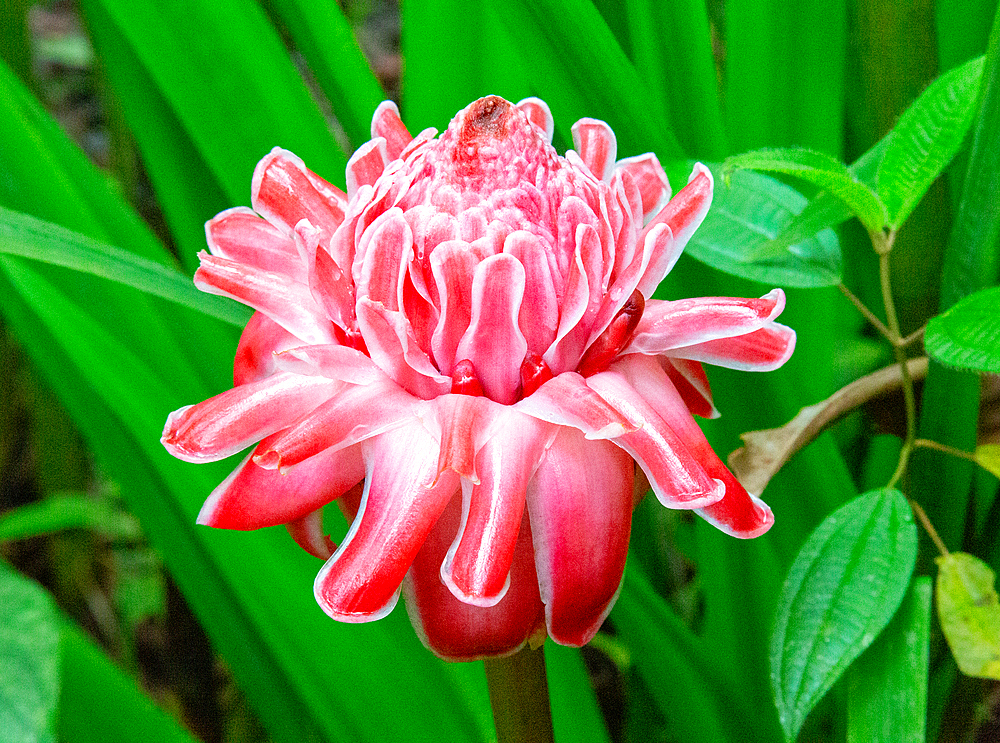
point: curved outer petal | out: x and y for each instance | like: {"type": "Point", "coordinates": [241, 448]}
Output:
{"type": "Point", "coordinates": [580, 504]}
{"type": "Point", "coordinates": [666, 326]}
{"type": "Point", "coordinates": [766, 349]}
{"type": "Point", "coordinates": [253, 497]}
{"type": "Point", "coordinates": [650, 179]}
{"type": "Point", "coordinates": [398, 509]}
{"type": "Point", "coordinates": [580, 304]}
{"type": "Point", "coordinates": [739, 513]}
{"type": "Point", "coordinates": [354, 413]}
{"type": "Point", "coordinates": [308, 534]}
{"type": "Point", "coordinates": [284, 192]}
{"type": "Point", "coordinates": [677, 477]}
{"type": "Point", "coordinates": [691, 382]}
{"type": "Point", "coordinates": [493, 342]}
{"type": "Point", "coordinates": [567, 400]}
{"type": "Point", "coordinates": [461, 424]}
{"type": "Point", "coordinates": [453, 265]}
{"type": "Point", "coordinates": [387, 125]}
{"type": "Point", "coordinates": [597, 146]}
{"type": "Point", "coordinates": [385, 259]}
{"type": "Point", "coordinates": [262, 338]}
{"type": "Point", "coordinates": [478, 562]}
{"type": "Point", "coordinates": [538, 317]}
{"type": "Point", "coordinates": [229, 422]}
{"type": "Point", "coordinates": [457, 631]}
{"type": "Point", "coordinates": [393, 347]}
{"type": "Point", "coordinates": [285, 301]}
{"type": "Point", "coordinates": [343, 363]}
{"type": "Point", "coordinates": [240, 235]}
{"type": "Point", "coordinates": [686, 211]}
{"type": "Point", "coordinates": [366, 165]}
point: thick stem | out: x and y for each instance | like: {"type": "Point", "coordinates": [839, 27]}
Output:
{"type": "Point", "coordinates": [519, 695]}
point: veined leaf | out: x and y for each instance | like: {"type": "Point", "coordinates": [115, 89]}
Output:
{"type": "Point", "coordinates": [821, 170]}
{"type": "Point", "coordinates": [926, 138]}
{"type": "Point", "coordinates": [748, 212]}
{"type": "Point", "coordinates": [28, 237]}
{"type": "Point", "coordinates": [967, 336]}
{"type": "Point", "coordinates": [843, 588]}
{"type": "Point", "coordinates": [970, 613]}
{"type": "Point", "coordinates": [29, 660]}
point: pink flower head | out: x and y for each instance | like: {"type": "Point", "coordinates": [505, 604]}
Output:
{"type": "Point", "coordinates": [463, 350]}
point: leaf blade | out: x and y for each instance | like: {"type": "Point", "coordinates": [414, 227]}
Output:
{"type": "Point", "coordinates": [967, 336]}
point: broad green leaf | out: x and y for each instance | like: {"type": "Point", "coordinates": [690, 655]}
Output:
{"type": "Point", "coordinates": [748, 212]}
{"type": "Point", "coordinates": [887, 685]}
{"type": "Point", "coordinates": [926, 138]}
{"type": "Point", "coordinates": [967, 336]}
{"type": "Point", "coordinates": [28, 237]}
{"type": "Point", "coordinates": [821, 170]}
{"type": "Point", "coordinates": [98, 702]}
{"type": "Point", "coordinates": [988, 457]}
{"type": "Point", "coordinates": [29, 660]}
{"type": "Point", "coordinates": [969, 613]}
{"type": "Point", "coordinates": [843, 588]}
{"type": "Point", "coordinates": [68, 511]}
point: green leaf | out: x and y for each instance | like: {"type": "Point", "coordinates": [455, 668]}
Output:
{"type": "Point", "coordinates": [29, 660]}
{"type": "Point", "coordinates": [821, 170]}
{"type": "Point", "coordinates": [887, 686]}
{"type": "Point", "coordinates": [969, 612]}
{"type": "Point", "coordinates": [968, 335]}
{"type": "Point", "coordinates": [28, 237]}
{"type": "Point", "coordinates": [68, 511]}
{"type": "Point", "coordinates": [748, 212]}
{"type": "Point", "coordinates": [928, 135]}
{"type": "Point", "coordinates": [843, 588]}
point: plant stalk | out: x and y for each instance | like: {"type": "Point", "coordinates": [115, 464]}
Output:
{"type": "Point", "coordinates": [519, 695]}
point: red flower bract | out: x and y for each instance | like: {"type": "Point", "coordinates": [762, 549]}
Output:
{"type": "Point", "coordinates": [464, 350]}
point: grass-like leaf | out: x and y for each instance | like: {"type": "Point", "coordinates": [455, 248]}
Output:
{"type": "Point", "coordinates": [843, 588]}
{"type": "Point", "coordinates": [968, 335]}
{"type": "Point", "coordinates": [748, 212]}
{"type": "Point", "coordinates": [28, 237]}
{"type": "Point", "coordinates": [887, 686]}
{"type": "Point", "coordinates": [68, 511]}
{"type": "Point", "coordinates": [926, 138]}
{"type": "Point", "coordinates": [821, 170]}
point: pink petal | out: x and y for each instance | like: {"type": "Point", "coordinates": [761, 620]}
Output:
{"type": "Point", "coordinates": [253, 497]}
{"type": "Point", "coordinates": [663, 253]}
{"type": "Point", "coordinates": [385, 259]}
{"type": "Point", "coordinates": [308, 534]}
{"type": "Point", "coordinates": [677, 477]}
{"type": "Point", "coordinates": [762, 350]}
{"type": "Point", "coordinates": [287, 302]}
{"type": "Point", "coordinates": [457, 631]}
{"type": "Point", "coordinates": [666, 326]}
{"type": "Point", "coordinates": [596, 143]}
{"type": "Point", "coordinates": [240, 235]}
{"type": "Point", "coordinates": [229, 422]}
{"type": "Point", "coordinates": [354, 413]}
{"type": "Point", "coordinates": [461, 424]}
{"type": "Point", "coordinates": [332, 289]}
{"type": "Point", "coordinates": [580, 504]}
{"type": "Point", "coordinates": [366, 165]}
{"type": "Point", "coordinates": [393, 347]}
{"type": "Point", "coordinates": [398, 509]}
{"type": "Point", "coordinates": [493, 341]}
{"type": "Point", "coordinates": [538, 317]}
{"type": "Point", "coordinates": [453, 265]}
{"type": "Point", "coordinates": [686, 211]}
{"type": "Point", "coordinates": [478, 563]}
{"type": "Point", "coordinates": [692, 384]}
{"type": "Point", "coordinates": [739, 513]}
{"type": "Point", "coordinates": [567, 400]}
{"type": "Point", "coordinates": [261, 339]}
{"type": "Point", "coordinates": [581, 303]}
{"type": "Point", "coordinates": [387, 125]}
{"type": "Point", "coordinates": [284, 192]}
{"type": "Point", "coordinates": [342, 363]}
{"type": "Point", "coordinates": [538, 113]}
{"type": "Point", "coordinates": [651, 180]}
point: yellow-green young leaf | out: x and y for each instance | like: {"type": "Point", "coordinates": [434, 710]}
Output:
{"type": "Point", "coordinates": [988, 457]}
{"type": "Point", "coordinates": [970, 613]}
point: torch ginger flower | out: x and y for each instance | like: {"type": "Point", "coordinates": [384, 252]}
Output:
{"type": "Point", "coordinates": [463, 350]}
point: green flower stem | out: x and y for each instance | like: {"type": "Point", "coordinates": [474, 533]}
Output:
{"type": "Point", "coordinates": [519, 695]}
